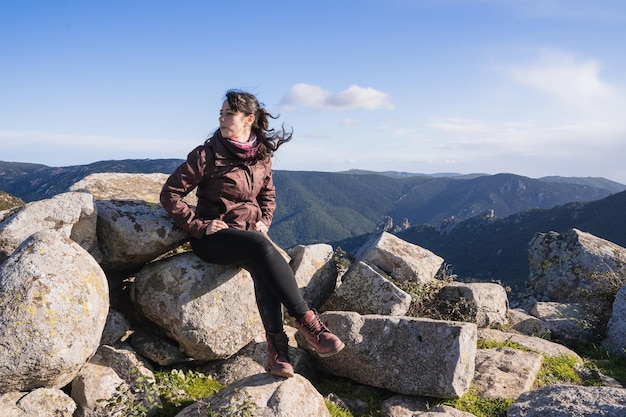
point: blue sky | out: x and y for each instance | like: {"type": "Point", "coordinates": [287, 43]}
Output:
{"type": "Point", "coordinates": [533, 87]}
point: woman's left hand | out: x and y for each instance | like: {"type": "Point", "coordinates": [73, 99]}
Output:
{"type": "Point", "coordinates": [260, 227]}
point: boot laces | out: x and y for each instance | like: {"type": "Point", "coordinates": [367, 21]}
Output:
{"type": "Point", "coordinates": [315, 326]}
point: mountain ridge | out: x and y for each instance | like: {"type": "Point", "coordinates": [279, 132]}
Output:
{"type": "Point", "coordinates": [488, 220]}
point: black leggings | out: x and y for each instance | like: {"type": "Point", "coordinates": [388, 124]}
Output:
{"type": "Point", "coordinates": [274, 281]}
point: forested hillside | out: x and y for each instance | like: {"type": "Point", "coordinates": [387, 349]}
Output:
{"type": "Point", "coordinates": [317, 207]}
{"type": "Point", "coordinates": [497, 248]}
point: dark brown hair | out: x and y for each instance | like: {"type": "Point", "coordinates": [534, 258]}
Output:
{"type": "Point", "coordinates": [270, 139]}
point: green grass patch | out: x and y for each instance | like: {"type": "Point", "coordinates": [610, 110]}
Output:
{"type": "Point", "coordinates": [471, 402]}
{"type": "Point", "coordinates": [558, 370]}
{"type": "Point", "coordinates": [336, 411]}
{"type": "Point", "coordinates": [494, 344]}
{"type": "Point", "coordinates": [178, 389]}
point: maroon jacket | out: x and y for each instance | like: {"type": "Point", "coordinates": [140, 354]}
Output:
{"type": "Point", "coordinates": [228, 188]}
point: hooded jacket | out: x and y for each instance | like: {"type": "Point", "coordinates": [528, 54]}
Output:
{"type": "Point", "coordinates": [236, 191]}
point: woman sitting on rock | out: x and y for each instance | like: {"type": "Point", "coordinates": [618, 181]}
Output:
{"type": "Point", "coordinates": [232, 172]}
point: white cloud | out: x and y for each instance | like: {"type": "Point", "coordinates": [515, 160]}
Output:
{"type": "Point", "coordinates": [350, 122]}
{"type": "Point", "coordinates": [354, 97]}
{"type": "Point", "coordinates": [575, 81]}
{"type": "Point", "coordinates": [459, 125]}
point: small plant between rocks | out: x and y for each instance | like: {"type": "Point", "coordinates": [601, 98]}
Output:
{"type": "Point", "coordinates": [168, 393]}
{"type": "Point", "coordinates": [472, 402]}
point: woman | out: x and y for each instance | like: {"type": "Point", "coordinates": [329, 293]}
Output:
{"type": "Point", "coordinates": [236, 202]}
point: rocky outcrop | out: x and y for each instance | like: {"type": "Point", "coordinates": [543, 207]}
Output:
{"type": "Point", "coordinates": [54, 299]}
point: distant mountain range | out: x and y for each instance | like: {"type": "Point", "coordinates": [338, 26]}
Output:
{"type": "Point", "coordinates": [480, 224]}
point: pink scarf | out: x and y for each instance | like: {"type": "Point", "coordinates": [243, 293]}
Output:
{"type": "Point", "coordinates": [243, 150]}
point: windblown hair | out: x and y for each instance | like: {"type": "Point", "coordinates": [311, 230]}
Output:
{"type": "Point", "coordinates": [270, 139]}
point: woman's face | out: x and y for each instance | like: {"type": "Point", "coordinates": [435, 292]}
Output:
{"type": "Point", "coordinates": [235, 125]}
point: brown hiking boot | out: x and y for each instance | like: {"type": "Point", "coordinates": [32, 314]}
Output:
{"type": "Point", "coordinates": [317, 335]}
{"type": "Point", "coordinates": [278, 355]}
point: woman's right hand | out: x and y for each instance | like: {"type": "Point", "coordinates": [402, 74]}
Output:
{"type": "Point", "coordinates": [215, 226]}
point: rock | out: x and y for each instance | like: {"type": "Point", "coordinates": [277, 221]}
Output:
{"type": "Point", "coordinates": [210, 310]}
{"type": "Point", "coordinates": [73, 214]}
{"type": "Point", "coordinates": [534, 344]}
{"type": "Point", "coordinates": [485, 304]}
{"type": "Point", "coordinates": [402, 354]}
{"type": "Point", "coordinates": [570, 400]}
{"type": "Point", "coordinates": [615, 342]}
{"type": "Point", "coordinates": [38, 402]}
{"type": "Point", "coordinates": [109, 373]}
{"type": "Point", "coordinates": [568, 323]}
{"type": "Point", "coordinates": [158, 349]}
{"type": "Point", "coordinates": [401, 260]}
{"type": "Point", "coordinates": [315, 272]}
{"type": "Point", "coordinates": [365, 291]}
{"type": "Point", "coordinates": [445, 411]}
{"type": "Point", "coordinates": [252, 358]}
{"type": "Point", "coordinates": [575, 267]}
{"type": "Point", "coordinates": [264, 395]}
{"type": "Point", "coordinates": [93, 387]}
{"type": "Point", "coordinates": [132, 233]}
{"type": "Point", "coordinates": [115, 329]}
{"type": "Point", "coordinates": [405, 406]}
{"type": "Point", "coordinates": [53, 308]}
{"type": "Point", "coordinates": [127, 186]}
{"type": "Point", "coordinates": [524, 323]}
{"type": "Point", "coordinates": [505, 372]}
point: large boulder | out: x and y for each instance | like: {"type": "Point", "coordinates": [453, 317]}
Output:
{"type": "Point", "coordinates": [111, 375]}
{"type": "Point", "coordinates": [39, 402]}
{"type": "Point", "coordinates": [570, 400]}
{"type": "Point", "coordinates": [73, 214]}
{"type": "Point", "coordinates": [210, 310]}
{"type": "Point", "coordinates": [483, 303]}
{"type": "Point", "coordinates": [125, 186]}
{"type": "Point", "coordinates": [263, 395]}
{"type": "Point", "coordinates": [132, 233]}
{"type": "Point", "coordinates": [402, 354]}
{"type": "Point", "coordinates": [54, 299]}
{"type": "Point", "coordinates": [315, 272]}
{"type": "Point", "coordinates": [575, 267]}
{"type": "Point", "coordinates": [366, 291]}
{"type": "Point", "coordinates": [401, 260]}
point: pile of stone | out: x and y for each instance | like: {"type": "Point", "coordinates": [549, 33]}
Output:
{"type": "Point", "coordinates": [97, 291]}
